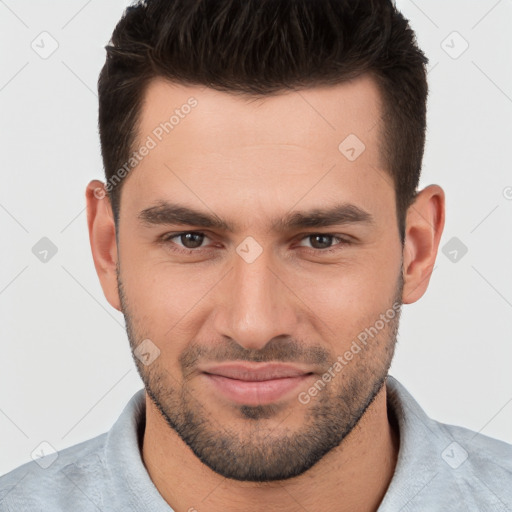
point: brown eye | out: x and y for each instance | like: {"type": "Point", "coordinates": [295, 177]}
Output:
{"type": "Point", "coordinates": [186, 240]}
{"type": "Point", "coordinates": [191, 240]}
{"type": "Point", "coordinates": [321, 241]}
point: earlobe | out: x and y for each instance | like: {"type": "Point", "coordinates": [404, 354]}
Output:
{"type": "Point", "coordinates": [423, 230]}
{"type": "Point", "coordinates": [102, 237]}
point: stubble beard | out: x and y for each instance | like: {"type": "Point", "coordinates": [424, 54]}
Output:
{"type": "Point", "coordinates": [255, 452]}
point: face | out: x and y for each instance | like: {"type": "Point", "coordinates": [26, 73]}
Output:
{"type": "Point", "coordinates": [249, 236]}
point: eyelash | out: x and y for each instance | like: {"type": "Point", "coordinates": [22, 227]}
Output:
{"type": "Point", "coordinates": [166, 239]}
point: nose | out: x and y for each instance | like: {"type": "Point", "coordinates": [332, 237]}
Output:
{"type": "Point", "coordinates": [256, 303]}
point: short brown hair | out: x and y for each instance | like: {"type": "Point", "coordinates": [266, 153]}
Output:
{"type": "Point", "coordinates": [263, 47]}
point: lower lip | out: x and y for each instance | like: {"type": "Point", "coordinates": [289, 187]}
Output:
{"type": "Point", "coordinates": [255, 392]}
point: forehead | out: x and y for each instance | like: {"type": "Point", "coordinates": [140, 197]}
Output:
{"type": "Point", "coordinates": [213, 146]}
{"type": "Point", "coordinates": [299, 118]}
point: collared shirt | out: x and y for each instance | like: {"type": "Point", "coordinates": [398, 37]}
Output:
{"type": "Point", "coordinates": [439, 467]}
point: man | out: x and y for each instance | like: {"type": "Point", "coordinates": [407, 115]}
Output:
{"type": "Point", "coordinates": [260, 228]}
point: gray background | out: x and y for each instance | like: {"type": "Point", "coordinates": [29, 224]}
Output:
{"type": "Point", "coordinates": [65, 368]}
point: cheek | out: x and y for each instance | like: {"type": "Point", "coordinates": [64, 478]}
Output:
{"type": "Point", "coordinates": [173, 301]}
{"type": "Point", "coordinates": [349, 298]}
{"type": "Point", "coordinates": [165, 301]}
{"type": "Point", "coordinates": [155, 284]}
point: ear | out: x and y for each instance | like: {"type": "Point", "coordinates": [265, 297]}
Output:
{"type": "Point", "coordinates": [102, 237]}
{"type": "Point", "coordinates": [423, 229]}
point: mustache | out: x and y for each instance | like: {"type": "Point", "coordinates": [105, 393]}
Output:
{"type": "Point", "coordinates": [285, 350]}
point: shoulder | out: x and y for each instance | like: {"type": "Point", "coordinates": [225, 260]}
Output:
{"type": "Point", "coordinates": [445, 467]}
{"type": "Point", "coordinates": [69, 479]}
{"type": "Point", "coordinates": [474, 471]}
{"type": "Point", "coordinates": [471, 454]}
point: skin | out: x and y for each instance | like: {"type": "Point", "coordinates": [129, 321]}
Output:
{"type": "Point", "coordinates": [252, 162]}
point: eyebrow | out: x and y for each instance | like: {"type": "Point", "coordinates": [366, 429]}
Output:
{"type": "Point", "coordinates": [166, 213]}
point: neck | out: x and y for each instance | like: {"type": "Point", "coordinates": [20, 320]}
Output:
{"type": "Point", "coordinates": [353, 476]}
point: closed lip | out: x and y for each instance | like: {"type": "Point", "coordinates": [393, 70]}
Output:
{"type": "Point", "coordinates": [256, 372]}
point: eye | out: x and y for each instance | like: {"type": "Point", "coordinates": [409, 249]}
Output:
{"type": "Point", "coordinates": [190, 240]}
{"type": "Point", "coordinates": [323, 242]}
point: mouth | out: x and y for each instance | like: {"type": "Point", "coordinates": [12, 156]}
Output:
{"type": "Point", "coordinates": [255, 384]}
